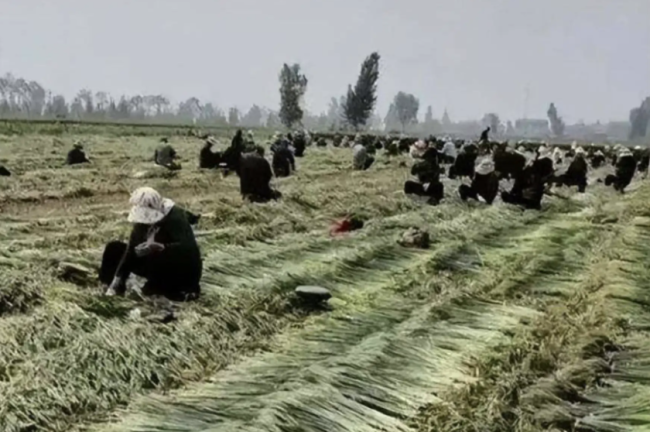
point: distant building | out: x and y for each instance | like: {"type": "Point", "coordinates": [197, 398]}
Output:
{"type": "Point", "coordinates": [532, 127]}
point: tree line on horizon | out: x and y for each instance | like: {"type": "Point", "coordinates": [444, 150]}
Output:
{"type": "Point", "coordinates": [355, 110]}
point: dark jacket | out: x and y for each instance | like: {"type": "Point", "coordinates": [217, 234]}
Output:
{"type": "Point", "coordinates": [577, 170]}
{"type": "Point", "coordinates": [427, 171]}
{"type": "Point", "coordinates": [165, 155]}
{"type": "Point", "coordinates": [486, 186]}
{"type": "Point", "coordinates": [255, 176]}
{"type": "Point", "coordinates": [542, 169]}
{"type": "Point", "coordinates": [625, 168]}
{"type": "Point", "coordinates": [209, 159]}
{"type": "Point", "coordinates": [76, 156]}
{"type": "Point", "coordinates": [179, 264]}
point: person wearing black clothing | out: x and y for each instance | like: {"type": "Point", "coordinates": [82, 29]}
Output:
{"type": "Point", "coordinates": [209, 159]}
{"type": "Point", "coordinates": [576, 174]}
{"type": "Point", "coordinates": [484, 135]}
{"type": "Point", "coordinates": [284, 162]}
{"type": "Point", "coordinates": [428, 174]}
{"type": "Point", "coordinates": [625, 169]}
{"type": "Point", "coordinates": [165, 156]}
{"type": "Point", "coordinates": [76, 155]}
{"type": "Point", "coordinates": [485, 183]}
{"type": "Point", "coordinates": [161, 248]}
{"type": "Point", "coordinates": [255, 179]}
{"type": "Point", "coordinates": [300, 143]}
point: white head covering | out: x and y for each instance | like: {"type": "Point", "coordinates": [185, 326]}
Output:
{"type": "Point", "coordinates": [359, 155]}
{"type": "Point", "coordinates": [599, 153]}
{"type": "Point", "coordinates": [543, 152]}
{"type": "Point", "coordinates": [557, 154]}
{"type": "Point", "coordinates": [449, 149]}
{"type": "Point", "coordinates": [579, 151]}
{"type": "Point", "coordinates": [625, 152]}
{"type": "Point", "coordinates": [637, 148]}
{"type": "Point", "coordinates": [148, 206]}
{"type": "Point", "coordinates": [485, 167]}
{"type": "Point", "coordinates": [418, 149]}
{"type": "Point", "coordinates": [212, 140]}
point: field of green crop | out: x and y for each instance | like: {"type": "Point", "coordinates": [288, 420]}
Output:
{"type": "Point", "coordinates": [511, 321]}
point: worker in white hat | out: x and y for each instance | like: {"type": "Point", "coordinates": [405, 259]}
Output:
{"type": "Point", "coordinates": [161, 248]}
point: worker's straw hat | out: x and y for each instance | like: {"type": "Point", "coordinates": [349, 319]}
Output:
{"type": "Point", "coordinates": [543, 152]}
{"type": "Point", "coordinates": [485, 167]}
{"type": "Point", "coordinates": [625, 152]}
{"type": "Point", "coordinates": [421, 145]}
{"type": "Point", "coordinates": [148, 206]}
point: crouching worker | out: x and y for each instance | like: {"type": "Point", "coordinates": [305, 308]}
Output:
{"type": "Point", "coordinates": [527, 191]}
{"type": "Point", "coordinates": [576, 175]}
{"type": "Point", "coordinates": [161, 249]}
{"type": "Point", "coordinates": [428, 173]}
{"type": "Point", "coordinates": [284, 162]}
{"type": "Point", "coordinates": [76, 155]}
{"type": "Point", "coordinates": [255, 179]}
{"type": "Point", "coordinates": [625, 168]}
{"type": "Point", "coordinates": [484, 184]}
{"type": "Point", "coordinates": [166, 156]}
{"type": "Point", "coordinates": [361, 160]}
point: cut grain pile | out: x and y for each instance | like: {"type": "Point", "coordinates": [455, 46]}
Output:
{"type": "Point", "coordinates": [508, 321]}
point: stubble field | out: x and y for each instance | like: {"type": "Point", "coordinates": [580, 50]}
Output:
{"type": "Point", "coordinates": [511, 321]}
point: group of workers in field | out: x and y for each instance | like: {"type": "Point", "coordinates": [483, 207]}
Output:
{"type": "Point", "coordinates": [163, 250]}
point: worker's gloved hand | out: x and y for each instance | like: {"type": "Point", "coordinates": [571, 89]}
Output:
{"type": "Point", "coordinates": [146, 249]}
{"type": "Point", "coordinates": [117, 287]}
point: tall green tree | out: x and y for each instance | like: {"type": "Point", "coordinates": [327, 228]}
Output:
{"type": "Point", "coordinates": [406, 107]}
{"type": "Point", "coordinates": [233, 116]}
{"type": "Point", "coordinates": [360, 101]}
{"type": "Point", "coordinates": [391, 121]}
{"type": "Point", "coordinates": [639, 120]}
{"type": "Point", "coordinates": [557, 124]}
{"type": "Point", "coordinates": [492, 120]}
{"type": "Point", "coordinates": [293, 85]}
{"type": "Point", "coordinates": [253, 117]}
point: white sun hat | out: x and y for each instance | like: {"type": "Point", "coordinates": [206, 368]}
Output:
{"type": "Point", "coordinates": [543, 152]}
{"type": "Point", "coordinates": [148, 206]}
{"type": "Point", "coordinates": [625, 152]}
{"type": "Point", "coordinates": [485, 167]}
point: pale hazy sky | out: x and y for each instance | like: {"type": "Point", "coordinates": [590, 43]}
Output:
{"type": "Point", "coordinates": [590, 57]}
